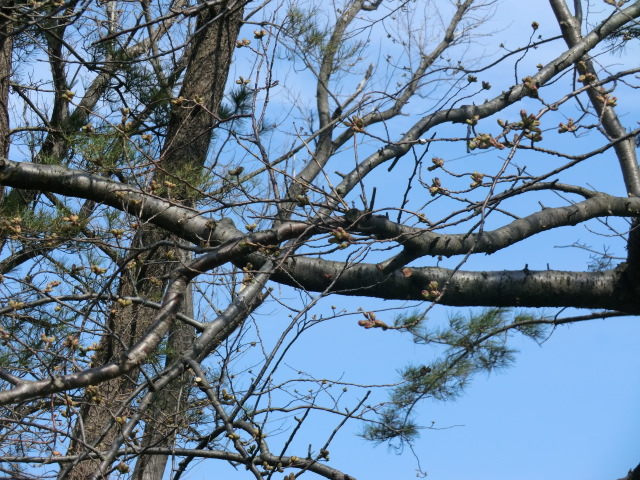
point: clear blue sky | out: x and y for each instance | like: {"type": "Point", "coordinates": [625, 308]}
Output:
{"type": "Point", "coordinates": [568, 409]}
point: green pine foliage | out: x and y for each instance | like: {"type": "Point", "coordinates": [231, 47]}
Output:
{"type": "Point", "coordinates": [472, 345]}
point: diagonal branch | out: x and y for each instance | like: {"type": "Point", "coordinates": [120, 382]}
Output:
{"type": "Point", "coordinates": [460, 115]}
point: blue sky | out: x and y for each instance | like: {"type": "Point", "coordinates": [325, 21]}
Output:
{"type": "Point", "coordinates": [567, 409]}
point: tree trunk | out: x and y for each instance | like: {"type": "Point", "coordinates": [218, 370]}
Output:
{"type": "Point", "coordinates": [183, 156]}
{"type": "Point", "coordinates": [6, 45]}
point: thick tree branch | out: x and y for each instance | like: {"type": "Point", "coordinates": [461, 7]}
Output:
{"type": "Point", "coordinates": [426, 61]}
{"type": "Point", "coordinates": [459, 115]}
{"type": "Point", "coordinates": [368, 279]}
{"type": "Point", "coordinates": [150, 340]}
{"type": "Point", "coordinates": [625, 150]}
{"type": "Point", "coordinates": [521, 288]}
{"type": "Point", "coordinates": [418, 242]}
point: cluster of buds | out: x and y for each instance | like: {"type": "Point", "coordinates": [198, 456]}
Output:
{"type": "Point", "coordinates": [122, 467]}
{"type": "Point", "coordinates": [531, 85]}
{"type": "Point", "coordinates": [69, 402]}
{"type": "Point", "coordinates": [528, 122]}
{"type": "Point", "coordinates": [484, 141]}
{"type": "Point", "coordinates": [236, 172]}
{"type": "Point", "coordinates": [341, 237]}
{"type": "Point", "coordinates": [243, 43]}
{"type": "Point", "coordinates": [436, 187]}
{"type": "Point", "coordinates": [117, 232]}
{"type": "Point", "coordinates": [248, 276]}
{"type": "Point", "coordinates": [72, 219]}
{"type": "Point", "coordinates": [227, 397]}
{"type": "Point", "coordinates": [477, 179]}
{"type": "Point", "coordinates": [372, 322]}
{"type": "Point", "coordinates": [72, 342]}
{"type": "Point", "coordinates": [356, 123]}
{"type": "Point", "coordinates": [242, 81]}
{"type": "Point", "coordinates": [124, 124]}
{"type": "Point", "coordinates": [273, 468]}
{"type": "Point", "coordinates": [587, 78]}
{"type": "Point", "coordinates": [83, 350]}
{"type": "Point", "coordinates": [68, 95]}
{"type": "Point", "coordinates": [607, 100]}
{"type": "Point", "coordinates": [535, 136]}
{"type": "Point", "coordinates": [437, 163]}
{"type": "Point", "coordinates": [14, 226]}
{"type": "Point", "coordinates": [431, 292]}
{"type": "Point", "coordinates": [47, 340]}
{"type": "Point", "coordinates": [4, 335]}
{"type": "Point", "coordinates": [16, 304]}
{"type": "Point", "coordinates": [568, 127]}
{"type": "Point", "coordinates": [154, 186]}
{"type": "Point", "coordinates": [269, 250]}
{"type": "Point", "coordinates": [51, 285]}
{"type": "Point", "coordinates": [302, 200]}
{"type": "Point", "coordinates": [132, 264]}
{"type": "Point", "coordinates": [473, 121]}
{"type": "Point", "coordinates": [178, 101]}
{"type": "Point", "coordinates": [97, 270]}
{"type": "Point", "coordinates": [51, 240]}
{"type": "Point", "coordinates": [94, 394]}
{"type": "Point", "coordinates": [257, 34]}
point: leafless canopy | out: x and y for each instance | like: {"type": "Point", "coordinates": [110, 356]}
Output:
{"type": "Point", "coordinates": [180, 208]}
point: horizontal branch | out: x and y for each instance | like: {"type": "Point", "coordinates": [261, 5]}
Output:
{"type": "Point", "coordinates": [270, 459]}
{"type": "Point", "coordinates": [420, 242]}
{"type": "Point", "coordinates": [182, 221]}
{"type": "Point", "coordinates": [520, 288]}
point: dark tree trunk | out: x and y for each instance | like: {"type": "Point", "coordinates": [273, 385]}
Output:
{"type": "Point", "coordinates": [6, 45]}
{"type": "Point", "coordinates": [182, 159]}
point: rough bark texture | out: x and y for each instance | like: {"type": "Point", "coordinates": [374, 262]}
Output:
{"type": "Point", "coordinates": [6, 43]}
{"type": "Point", "coordinates": [626, 149]}
{"type": "Point", "coordinates": [166, 415]}
{"type": "Point", "coordinates": [183, 157]}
